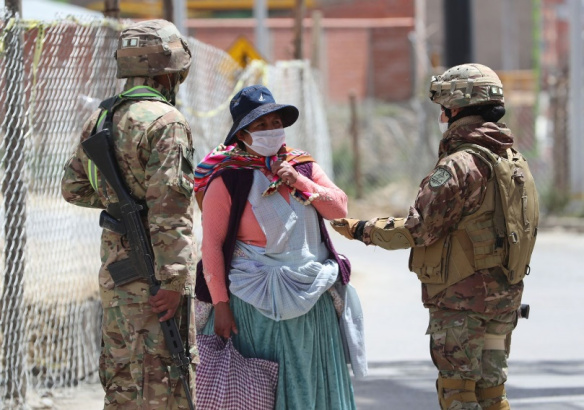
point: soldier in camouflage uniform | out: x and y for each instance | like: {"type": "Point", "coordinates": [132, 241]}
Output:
{"type": "Point", "coordinates": [457, 252]}
{"type": "Point", "coordinates": [153, 148]}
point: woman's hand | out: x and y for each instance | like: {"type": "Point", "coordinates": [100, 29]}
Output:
{"type": "Point", "coordinates": [285, 171]}
{"type": "Point", "coordinates": [224, 322]}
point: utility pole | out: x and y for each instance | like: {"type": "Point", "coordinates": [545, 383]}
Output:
{"type": "Point", "coordinates": [175, 12]}
{"type": "Point", "coordinates": [354, 130]}
{"type": "Point", "coordinates": [510, 37]}
{"type": "Point", "coordinates": [316, 39]}
{"type": "Point", "coordinates": [458, 27]}
{"type": "Point", "coordinates": [420, 53]}
{"type": "Point", "coordinates": [14, 6]}
{"type": "Point", "coordinates": [298, 19]}
{"type": "Point", "coordinates": [14, 193]}
{"type": "Point", "coordinates": [168, 10]}
{"type": "Point", "coordinates": [576, 103]}
{"type": "Point", "coordinates": [561, 146]}
{"type": "Point", "coordinates": [111, 9]}
{"type": "Point", "coordinates": [260, 14]}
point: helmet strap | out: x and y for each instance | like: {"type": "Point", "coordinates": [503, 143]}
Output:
{"type": "Point", "coordinates": [447, 112]}
{"type": "Point", "coordinates": [174, 81]}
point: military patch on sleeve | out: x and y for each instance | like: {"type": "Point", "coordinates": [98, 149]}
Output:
{"type": "Point", "coordinates": [439, 178]}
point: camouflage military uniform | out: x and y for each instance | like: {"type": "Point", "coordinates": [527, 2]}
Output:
{"type": "Point", "coordinates": [484, 302]}
{"type": "Point", "coordinates": [472, 315]}
{"type": "Point", "coordinates": [151, 141]}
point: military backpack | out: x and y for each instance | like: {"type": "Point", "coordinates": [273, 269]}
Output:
{"type": "Point", "coordinates": [516, 214]}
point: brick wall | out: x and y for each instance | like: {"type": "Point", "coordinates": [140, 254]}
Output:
{"type": "Point", "coordinates": [368, 56]}
{"type": "Point", "coordinates": [347, 63]}
{"type": "Point", "coordinates": [392, 63]}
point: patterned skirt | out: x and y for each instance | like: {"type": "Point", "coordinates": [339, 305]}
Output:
{"type": "Point", "coordinates": [313, 373]}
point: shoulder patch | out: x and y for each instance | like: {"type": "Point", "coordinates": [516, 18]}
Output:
{"type": "Point", "coordinates": [439, 177]}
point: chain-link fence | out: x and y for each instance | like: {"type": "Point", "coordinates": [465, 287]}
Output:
{"type": "Point", "coordinates": [53, 75]}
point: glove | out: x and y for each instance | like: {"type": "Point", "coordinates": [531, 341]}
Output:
{"type": "Point", "coordinates": [349, 228]}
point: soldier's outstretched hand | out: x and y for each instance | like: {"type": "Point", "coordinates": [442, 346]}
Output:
{"type": "Point", "coordinates": [348, 227]}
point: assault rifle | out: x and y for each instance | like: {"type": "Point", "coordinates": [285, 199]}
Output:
{"type": "Point", "coordinates": [98, 148]}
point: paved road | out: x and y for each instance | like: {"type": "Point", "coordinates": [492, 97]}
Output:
{"type": "Point", "coordinates": [547, 358]}
{"type": "Point", "coordinates": [547, 354]}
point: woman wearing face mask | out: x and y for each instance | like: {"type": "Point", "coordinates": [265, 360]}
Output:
{"type": "Point", "coordinates": [268, 261]}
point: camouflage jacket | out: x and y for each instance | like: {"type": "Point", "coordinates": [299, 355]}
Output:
{"type": "Point", "coordinates": [454, 188]}
{"type": "Point", "coordinates": [152, 140]}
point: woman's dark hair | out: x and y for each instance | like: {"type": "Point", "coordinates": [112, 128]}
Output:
{"type": "Point", "coordinates": [490, 113]}
{"type": "Point", "coordinates": [240, 144]}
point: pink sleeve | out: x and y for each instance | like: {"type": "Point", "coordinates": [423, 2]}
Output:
{"type": "Point", "coordinates": [215, 220]}
{"type": "Point", "coordinates": [331, 202]}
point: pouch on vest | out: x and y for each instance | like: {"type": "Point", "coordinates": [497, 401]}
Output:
{"type": "Point", "coordinates": [517, 218]}
{"type": "Point", "coordinates": [427, 262]}
{"type": "Point", "coordinates": [435, 264]}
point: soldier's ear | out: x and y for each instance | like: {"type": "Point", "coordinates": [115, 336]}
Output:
{"type": "Point", "coordinates": [454, 112]}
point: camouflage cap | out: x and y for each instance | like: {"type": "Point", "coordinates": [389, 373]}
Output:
{"type": "Point", "coordinates": [466, 84]}
{"type": "Point", "coordinates": [150, 48]}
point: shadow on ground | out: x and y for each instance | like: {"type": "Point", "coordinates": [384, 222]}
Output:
{"type": "Point", "coordinates": [549, 385]}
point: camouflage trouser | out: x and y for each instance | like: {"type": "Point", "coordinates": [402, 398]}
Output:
{"type": "Point", "coordinates": [135, 368]}
{"type": "Point", "coordinates": [457, 339]}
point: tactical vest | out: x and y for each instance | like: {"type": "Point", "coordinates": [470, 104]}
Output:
{"type": "Point", "coordinates": [501, 233]}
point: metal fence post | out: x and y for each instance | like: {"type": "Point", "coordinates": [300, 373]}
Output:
{"type": "Point", "coordinates": [14, 193]}
{"type": "Point", "coordinates": [299, 9]}
{"type": "Point", "coordinates": [111, 8]}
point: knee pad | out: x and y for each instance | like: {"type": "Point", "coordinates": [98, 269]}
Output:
{"type": "Point", "coordinates": [491, 393]}
{"type": "Point", "coordinates": [465, 391]}
{"type": "Point", "coordinates": [495, 342]}
{"type": "Point", "coordinates": [502, 405]}
{"type": "Point", "coordinates": [498, 342]}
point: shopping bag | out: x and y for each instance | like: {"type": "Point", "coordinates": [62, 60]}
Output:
{"type": "Point", "coordinates": [228, 381]}
{"type": "Point", "coordinates": [202, 313]}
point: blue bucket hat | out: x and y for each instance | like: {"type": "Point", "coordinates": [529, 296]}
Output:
{"type": "Point", "coordinates": [253, 102]}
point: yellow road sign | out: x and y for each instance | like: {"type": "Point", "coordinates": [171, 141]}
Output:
{"type": "Point", "coordinates": [243, 51]}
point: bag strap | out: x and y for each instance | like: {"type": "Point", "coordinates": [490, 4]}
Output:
{"type": "Point", "coordinates": [105, 120]}
{"type": "Point", "coordinates": [238, 183]}
{"type": "Point", "coordinates": [492, 160]}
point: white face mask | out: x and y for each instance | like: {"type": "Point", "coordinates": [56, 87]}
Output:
{"type": "Point", "coordinates": [442, 125]}
{"type": "Point", "coordinates": [268, 142]}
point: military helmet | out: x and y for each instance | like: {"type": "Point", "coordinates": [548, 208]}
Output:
{"type": "Point", "coordinates": [465, 85]}
{"type": "Point", "coordinates": [150, 48]}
